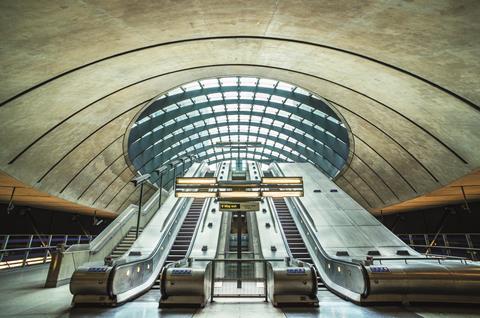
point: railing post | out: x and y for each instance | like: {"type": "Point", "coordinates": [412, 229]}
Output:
{"type": "Point", "coordinates": [447, 244]}
{"type": "Point", "coordinates": [47, 251]}
{"type": "Point", "coordinates": [212, 285]}
{"type": "Point", "coordinates": [473, 253]}
{"type": "Point", "coordinates": [27, 252]}
{"type": "Point", "coordinates": [4, 246]}
{"type": "Point", "coordinates": [139, 211]}
{"type": "Point", "coordinates": [265, 280]}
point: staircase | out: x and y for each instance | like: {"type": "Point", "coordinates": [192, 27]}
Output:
{"type": "Point", "coordinates": [125, 243]}
{"type": "Point", "coordinates": [184, 237]}
{"type": "Point", "coordinates": [294, 239]}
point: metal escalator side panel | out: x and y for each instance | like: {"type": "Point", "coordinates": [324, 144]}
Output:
{"type": "Point", "coordinates": [133, 278]}
{"type": "Point", "coordinates": [348, 280]}
{"type": "Point", "coordinates": [137, 276]}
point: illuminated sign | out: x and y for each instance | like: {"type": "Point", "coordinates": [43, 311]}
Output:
{"type": "Point", "coordinates": [248, 206]}
{"type": "Point", "coordinates": [229, 206]}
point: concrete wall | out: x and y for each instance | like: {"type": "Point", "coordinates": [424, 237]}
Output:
{"type": "Point", "coordinates": [404, 75]}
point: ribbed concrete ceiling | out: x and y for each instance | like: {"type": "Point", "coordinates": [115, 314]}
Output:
{"type": "Point", "coordinates": [403, 75]}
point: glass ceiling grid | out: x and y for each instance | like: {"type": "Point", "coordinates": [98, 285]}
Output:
{"type": "Point", "coordinates": [232, 105]}
{"type": "Point", "coordinates": [259, 130]}
{"type": "Point", "coordinates": [202, 111]}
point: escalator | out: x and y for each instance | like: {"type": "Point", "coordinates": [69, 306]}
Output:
{"type": "Point", "coordinates": [124, 245]}
{"type": "Point", "coordinates": [294, 239]}
{"type": "Point", "coordinates": [166, 239]}
{"type": "Point", "coordinates": [184, 237]}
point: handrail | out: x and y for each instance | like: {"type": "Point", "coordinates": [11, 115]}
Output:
{"type": "Point", "coordinates": [20, 249]}
{"type": "Point", "coordinates": [294, 202]}
{"type": "Point", "coordinates": [448, 247]}
{"type": "Point", "coordinates": [309, 217]}
{"type": "Point", "coordinates": [441, 233]}
{"type": "Point", "coordinates": [263, 260]}
{"type": "Point", "coordinates": [154, 255]}
{"type": "Point", "coordinates": [13, 257]}
{"type": "Point", "coordinates": [103, 238]}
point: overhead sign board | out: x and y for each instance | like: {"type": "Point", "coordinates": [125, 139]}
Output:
{"type": "Point", "coordinates": [247, 206]}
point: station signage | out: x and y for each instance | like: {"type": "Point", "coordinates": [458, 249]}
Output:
{"type": "Point", "coordinates": [247, 206]}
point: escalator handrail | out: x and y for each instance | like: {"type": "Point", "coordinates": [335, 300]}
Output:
{"type": "Point", "coordinates": [300, 209]}
{"type": "Point", "coordinates": [313, 237]}
{"type": "Point", "coordinates": [97, 244]}
{"type": "Point", "coordinates": [104, 238]}
{"type": "Point", "coordinates": [180, 205]}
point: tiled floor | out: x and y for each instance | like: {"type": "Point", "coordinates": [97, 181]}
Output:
{"type": "Point", "coordinates": [22, 295]}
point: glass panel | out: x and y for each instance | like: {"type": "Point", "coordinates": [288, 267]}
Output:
{"type": "Point", "coordinates": [175, 91]}
{"type": "Point", "coordinates": [267, 83]}
{"type": "Point", "coordinates": [228, 81]}
{"type": "Point", "coordinates": [192, 87]}
{"type": "Point", "coordinates": [208, 83]}
{"type": "Point", "coordinates": [248, 81]}
{"type": "Point", "coordinates": [285, 86]}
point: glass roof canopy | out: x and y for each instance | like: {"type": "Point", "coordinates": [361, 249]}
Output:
{"type": "Point", "coordinates": [282, 122]}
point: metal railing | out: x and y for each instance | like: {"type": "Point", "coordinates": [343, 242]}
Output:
{"type": "Point", "coordinates": [252, 284]}
{"type": "Point", "coordinates": [464, 245]}
{"type": "Point", "coordinates": [24, 250]}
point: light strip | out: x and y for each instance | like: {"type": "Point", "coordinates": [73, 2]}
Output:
{"type": "Point", "coordinates": [196, 180]}
{"type": "Point", "coordinates": [282, 194]}
{"type": "Point", "coordinates": [239, 194]}
{"type": "Point", "coordinates": [282, 180]}
{"type": "Point", "coordinates": [195, 194]}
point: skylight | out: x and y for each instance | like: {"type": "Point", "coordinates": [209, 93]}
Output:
{"type": "Point", "coordinates": [291, 123]}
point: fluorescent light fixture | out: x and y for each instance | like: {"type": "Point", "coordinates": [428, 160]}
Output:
{"type": "Point", "coordinates": [282, 194]}
{"type": "Point", "coordinates": [239, 194]}
{"type": "Point", "coordinates": [196, 180]}
{"type": "Point", "coordinates": [283, 180]}
{"type": "Point", "coordinates": [195, 194]}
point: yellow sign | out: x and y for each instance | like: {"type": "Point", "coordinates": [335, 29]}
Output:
{"type": "Point", "coordinates": [248, 206]}
{"type": "Point", "coordinates": [229, 206]}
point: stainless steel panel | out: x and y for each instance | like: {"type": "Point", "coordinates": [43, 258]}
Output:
{"type": "Point", "coordinates": [358, 217]}
{"type": "Point", "coordinates": [352, 237]}
{"type": "Point", "coordinates": [335, 217]}
{"type": "Point", "coordinates": [90, 280]}
{"type": "Point", "coordinates": [292, 285]}
{"type": "Point", "coordinates": [381, 236]}
{"type": "Point", "coordinates": [330, 239]}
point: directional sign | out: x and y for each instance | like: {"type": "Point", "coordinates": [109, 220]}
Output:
{"type": "Point", "coordinates": [247, 206]}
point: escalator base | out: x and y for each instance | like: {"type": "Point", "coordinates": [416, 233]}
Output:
{"type": "Point", "coordinates": [183, 301]}
{"type": "Point", "coordinates": [294, 301]}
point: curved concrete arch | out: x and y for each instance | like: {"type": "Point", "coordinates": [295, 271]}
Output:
{"type": "Point", "coordinates": [412, 113]}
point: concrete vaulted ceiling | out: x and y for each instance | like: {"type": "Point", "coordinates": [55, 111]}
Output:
{"type": "Point", "coordinates": [402, 75]}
